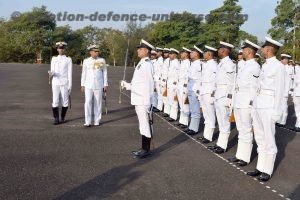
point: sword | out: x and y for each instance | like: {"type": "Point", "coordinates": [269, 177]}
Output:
{"type": "Point", "coordinates": [49, 77]}
{"type": "Point", "coordinates": [150, 115]}
{"type": "Point", "coordinates": [105, 105]}
{"type": "Point", "coordinates": [124, 73]}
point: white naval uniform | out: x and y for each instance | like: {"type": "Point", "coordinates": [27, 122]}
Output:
{"type": "Point", "coordinates": [267, 111]}
{"type": "Point", "coordinates": [206, 88]}
{"type": "Point", "coordinates": [224, 86]}
{"type": "Point", "coordinates": [94, 79]}
{"type": "Point", "coordinates": [172, 83]}
{"type": "Point", "coordinates": [163, 85]}
{"type": "Point", "coordinates": [183, 91]}
{"type": "Point", "coordinates": [296, 95]}
{"type": "Point", "coordinates": [157, 102]}
{"type": "Point", "coordinates": [61, 69]}
{"type": "Point", "coordinates": [194, 76]}
{"type": "Point", "coordinates": [289, 74]}
{"type": "Point", "coordinates": [142, 91]}
{"type": "Point", "coordinates": [245, 90]}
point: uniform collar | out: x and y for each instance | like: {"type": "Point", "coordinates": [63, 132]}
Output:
{"type": "Point", "coordinates": [225, 58]}
{"type": "Point", "coordinates": [250, 60]}
{"type": "Point", "coordinates": [270, 59]}
{"type": "Point", "coordinates": [144, 59]}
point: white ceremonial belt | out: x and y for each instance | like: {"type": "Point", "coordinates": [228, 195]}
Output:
{"type": "Point", "coordinates": [266, 92]}
{"type": "Point", "coordinates": [221, 86]}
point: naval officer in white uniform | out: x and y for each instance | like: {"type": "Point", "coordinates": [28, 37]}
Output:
{"type": "Point", "coordinates": [93, 84]}
{"type": "Point", "coordinates": [244, 92]}
{"type": "Point", "coordinates": [61, 74]}
{"type": "Point", "coordinates": [268, 109]}
{"type": "Point", "coordinates": [142, 91]}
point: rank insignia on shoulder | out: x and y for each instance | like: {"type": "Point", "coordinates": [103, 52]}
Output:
{"type": "Point", "coordinates": [255, 76]}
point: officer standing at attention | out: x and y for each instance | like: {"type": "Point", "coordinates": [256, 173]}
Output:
{"type": "Point", "coordinates": [182, 87]}
{"type": "Point", "coordinates": [142, 90]}
{"type": "Point", "coordinates": [245, 90]}
{"type": "Point", "coordinates": [157, 78]}
{"type": "Point", "coordinates": [296, 96]}
{"type": "Point", "coordinates": [223, 95]}
{"type": "Point", "coordinates": [164, 78]}
{"type": "Point", "coordinates": [61, 74]}
{"type": "Point", "coordinates": [268, 109]}
{"type": "Point", "coordinates": [93, 84]}
{"type": "Point", "coordinates": [194, 76]}
{"type": "Point", "coordinates": [172, 84]}
{"type": "Point", "coordinates": [206, 88]}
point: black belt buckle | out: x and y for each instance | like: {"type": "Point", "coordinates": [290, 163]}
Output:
{"type": "Point", "coordinates": [184, 85]}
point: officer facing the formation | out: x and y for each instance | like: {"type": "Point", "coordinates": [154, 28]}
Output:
{"type": "Point", "coordinates": [244, 93]}
{"type": "Point", "coordinates": [194, 76]}
{"type": "Point", "coordinates": [182, 87]}
{"type": "Point", "coordinates": [93, 84]}
{"type": "Point", "coordinates": [158, 98]}
{"type": "Point", "coordinates": [268, 109]}
{"type": "Point", "coordinates": [206, 88]}
{"type": "Point", "coordinates": [61, 74]}
{"type": "Point", "coordinates": [172, 84]}
{"type": "Point", "coordinates": [289, 75]}
{"type": "Point", "coordinates": [142, 87]}
{"type": "Point", "coordinates": [223, 95]}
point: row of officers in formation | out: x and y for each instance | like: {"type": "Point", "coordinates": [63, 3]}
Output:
{"type": "Point", "coordinates": [193, 87]}
{"type": "Point", "coordinates": [196, 86]}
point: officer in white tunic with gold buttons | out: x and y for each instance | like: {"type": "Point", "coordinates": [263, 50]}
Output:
{"type": "Point", "coordinates": [194, 76]}
{"type": "Point", "coordinates": [142, 87]}
{"type": "Point", "coordinates": [93, 84]}
{"type": "Point", "coordinates": [223, 95]}
{"type": "Point", "coordinates": [268, 109]}
{"type": "Point", "coordinates": [245, 90]}
{"type": "Point", "coordinates": [206, 88]}
{"type": "Point", "coordinates": [61, 74]}
{"type": "Point", "coordinates": [289, 74]}
{"type": "Point", "coordinates": [172, 83]}
{"type": "Point", "coordinates": [182, 87]}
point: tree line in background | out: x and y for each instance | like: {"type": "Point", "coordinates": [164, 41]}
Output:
{"type": "Point", "coordinates": [33, 34]}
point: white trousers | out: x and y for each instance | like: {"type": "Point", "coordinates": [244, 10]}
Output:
{"type": "Point", "coordinates": [159, 97]}
{"type": "Point", "coordinates": [264, 134]}
{"type": "Point", "coordinates": [285, 111]}
{"type": "Point", "coordinates": [172, 103]}
{"type": "Point", "coordinates": [58, 90]}
{"type": "Point", "coordinates": [156, 94]}
{"type": "Point", "coordinates": [143, 117]}
{"type": "Point", "coordinates": [208, 110]}
{"type": "Point", "coordinates": [223, 113]}
{"type": "Point", "coordinates": [243, 120]}
{"type": "Point", "coordinates": [89, 94]}
{"type": "Point", "coordinates": [184, 108]}
{"type": "Point", "coordinates": [296, 101]}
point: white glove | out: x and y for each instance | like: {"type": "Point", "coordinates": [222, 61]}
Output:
{"type": "Point", "coordinates": [211, 100]}
{"type": "Point", "coordinates": [125, 85]}
{"type": "Point", "coordinates": [50, 73]}
{"type": "Point", "coordinates": [228, 102]}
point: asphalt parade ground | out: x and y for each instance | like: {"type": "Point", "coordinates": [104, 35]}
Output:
{"type": "Point", "coordinates": [68, 162]}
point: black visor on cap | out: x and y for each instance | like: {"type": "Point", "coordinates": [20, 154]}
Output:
{"type": "Point", "coordinates": [267, 43]}
{"type": "Point", "coordinates": [144, 46]}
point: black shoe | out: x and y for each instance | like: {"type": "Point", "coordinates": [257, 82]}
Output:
{"type": "Point", "coordinates": [63, 114]}
{"type": "Point", "coordinates": [87, 125]}
{"type": "Point", "coordinates": [165, 115]}
{"type": "Point", "coordinates": [186, 130]}
{"type": "Point", "coordinates": [242, 163]}
{"type": "Point", "coordinates": [178, 124]}
{"type": "Point", "coordinates": [296, 129]}
{"type": "Point", "coordinates": [171, 120]}
{"type": "Point", "coordinates": [233, 159]}
{"type": "Point", "coordinates": [183, 126]}
{"type": "Point", "coordinates": [280, 125]}
{"type": "Point", "coordinates": [191, 132]}
{"type": "Point", "coordinates": [155, 110]}
{"type": "Point", "coordinates": [55, 111]}
{"type": "Point", "coordinates": [264, 177]}
{"type": "Point", "coordinates": [256, 172]}
{"type": "Point", "coordinates": [137, 152]}
{"type": "Point", "coordinates": [143, 154]}
{"type": "Point", "coordinates": [203, 140]}
{"type": "Point", "coordinates": [212, 148]}
{"type": "Point", "coordinates": [219, 150]}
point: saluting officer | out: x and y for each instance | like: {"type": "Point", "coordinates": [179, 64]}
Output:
{"type": "Point", "coordinates": [61, 74]}
{"type": "Point", "coordinates": [172, 84]}
{"type": "Point", "coordinates": [182, 87]}
{"type": "Point", "coordinates": [142, 88]}
{"type": "Point", "coordinates": [93, 84]}
{"type": "Point", "coordinates": [223, 95]}
{"type": "Point", "coordinates": [206, 88]}
{"type": "Point", "coordinates": [289, 73]}
{"type": "Point", "coordinates": [268, 109]}
{"type": "Point", "coordinates": [194, 76]}
{"type": "Point", "coordinates": [245, 90]}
